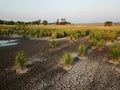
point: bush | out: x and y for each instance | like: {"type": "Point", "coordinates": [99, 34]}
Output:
{"type": "Point", "coordinates": [93, 42]}
{"type": "Point", "coordinates": [68, 59]}
{"type": "Point", "coordinates": [115, 52]}
{"type": "Point", "coordinates": [45, 22]}
{"type": "Point", "coordinates": [53, 43]}
{"type": "Point", "coordinates": [75, 36]}
{"type": "Point", "coordinates": [100, 44]}
{"type": "Point", "coordinates": [98, 35]}
{"type": "Point", "coordinates": [54, 35]}
{"type": "Point", "coordinates": [82, 49]}
{"type": "Point", "coordinates": [21, 59]}
{"type": "Point", "coordinates": [110, 36]}
{"type": "Point", "coordinates": [83, 33]}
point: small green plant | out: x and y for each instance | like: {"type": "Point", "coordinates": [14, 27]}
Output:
{"type": "Point", "coordinates": [53, 43]}
{"type": "Point", "coordinates": [93, 42]}
{"type": "Point", "coordinates": [75, 36]}
{"type": "Point", "coordinates": [82, 49]}
{"type": "Point", "coordinates": [21, 59]}
{"type": "Point", "coordinates": [54, 35]}
{"type": "Point", "coordinates": [68, 59]}
{"type": "Point", "coordinates": [115, 52]}
{"type": "Point", "coordinates": [110, 36]}
{"type": "Point", "coordinates": [100, 44]}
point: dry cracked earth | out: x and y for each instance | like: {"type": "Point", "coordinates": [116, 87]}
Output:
{"type": "Point", "coordinates": [94, 73]}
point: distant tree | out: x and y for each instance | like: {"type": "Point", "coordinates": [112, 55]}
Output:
{"type": "Point", "coordinates": [36, 22]}
{"type": "Point", "coordinates": [57, 23]}
{"type": "Point", "coordinates": [10, 23]}
{"type": "Point", "coordinates": [1, 22]}
{"type": "Point", "coordinates": [63, 21]}
{"type": "Point", "coordinates": [39, 21]}
{"type": "Point", "coordinates": [108, 23]}
{"type": "Point", "coordinates": [45, 22]}
{"type": "Point", "coordinates": [20, 23]}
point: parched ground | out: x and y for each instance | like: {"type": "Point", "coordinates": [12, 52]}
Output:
{"type": "Point", "coordinates": [94, 73]}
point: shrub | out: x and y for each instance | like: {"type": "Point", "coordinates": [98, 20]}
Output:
{"type": "Point", "coordinates": [75, 36]}
{"type": "Point", "coordinates": [100, 44]}
{"type": "Point", "coordinates": [68, 59]}
{"type": "Point", "coordinates": [45, 22]}
{"type": "Point", "coordinates": [83, 33]}
{"type": "Point", "coordinates": [82, 49]}
{"type": "Point", "coordinates": [91, 35]}
{"type": "Point", "coordinates": [110, 36]}
{"type": "Point", "coordinates": [93, 42]}
{"type": "Point", "coordinates": [21, 59]}
{"type": "Point", "coordinates": [54, 35]}
{"type": "Point", "coordinates": [53, 43]}
{"type": "Point", "coordinates": [98, 35]}
{"type": "Point", "coordinates": [115, 52]}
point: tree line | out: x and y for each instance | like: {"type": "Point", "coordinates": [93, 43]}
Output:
{"type": "Point", "coordinates": [63, 21]}
{"type": "Point", "coordinates": [37, 22]}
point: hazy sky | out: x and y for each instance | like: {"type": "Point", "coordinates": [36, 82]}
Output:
{"type": "Point", "coordinates": [76, 11]}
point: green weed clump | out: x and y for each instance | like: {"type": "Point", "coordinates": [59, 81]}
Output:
{"type": "Point", "coordinates": [110, 36]}
{"type": "Point", "coordinates": [21, 59]}
{"type": "Point", "coordinates": [93, 42]}
{"type": "Point", "coordinates": [75, 36]}
{"type": "Point", "coordinates": [100, 45]}
{"type": "Point", "coordinates": [81, 49]}
{"type": "Point", "coordinates": [68, 59]}
{"type": "Point", "coordinates": [53, 43]}
{"type": "Point", "coordinates": [115, 52]}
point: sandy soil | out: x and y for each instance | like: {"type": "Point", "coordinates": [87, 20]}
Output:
{"type": "Point", "coordinates": [93, 73]}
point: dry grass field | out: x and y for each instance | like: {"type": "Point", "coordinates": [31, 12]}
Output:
{"type": "Point", "coordinates": [79, 27]}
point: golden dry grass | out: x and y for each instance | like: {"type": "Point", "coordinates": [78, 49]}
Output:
{"type": "Point", "coordinates": [75, 27]}
{"type": "Point", "coordinates": [78, 27]}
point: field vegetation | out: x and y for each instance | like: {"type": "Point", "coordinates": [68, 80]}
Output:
{"type": "Point", "coordinates": [59, 31]}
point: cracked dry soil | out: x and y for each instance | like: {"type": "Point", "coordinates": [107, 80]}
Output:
{"type": "Point", "coordinates": [93, 73]}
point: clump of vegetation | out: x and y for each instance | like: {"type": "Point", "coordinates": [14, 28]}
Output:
{"type": "Point", "coordinates": [98, 35]}
{"type": "Point", "coordinates": [81, 50]}
{"type": "Point", "coordinates": [110, 36]}
{"type": "Point", "coordinates": [115, 52]}
{"type": "Point", "coordinates": [54, 35]}
{"type": "Point", "coordinates": [68, 59]}
{"type": "Point", "coordinates": [75, 36]}
{"type": "Point", "coordinates": [53, 43]}
{"type": "Point", "coordinates": [21, 60]}
{"type": "Point", "coordinates": [58, 34]}
{"type": "Point", "coordinates": [93, 42]}
{"type": "Point", "coordinates": [100, 45]}
{"type": "Point", "coordinates": [45, 22]}
{"type": "Point", "coordinates": [84, 33]}
{"type": "Point", "coordinates": [108, 23]}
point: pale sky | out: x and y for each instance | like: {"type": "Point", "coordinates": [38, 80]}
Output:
{"type": "Point", "coordinates": [75, 11]}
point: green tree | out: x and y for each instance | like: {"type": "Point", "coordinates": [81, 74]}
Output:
{"type": "Point", "coordinates": [108, 23]}
{"type": "Point", "coordinates": [45, 22]}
